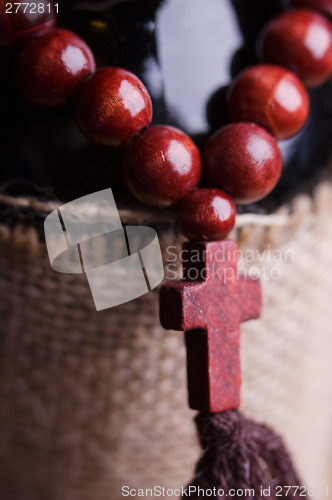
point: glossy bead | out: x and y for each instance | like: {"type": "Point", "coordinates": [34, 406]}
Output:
{"type": "Point", "coordinates": [272, 97]}
{"type": "Point", "coordinates": [244, 160]}
{"type": "Point", "coordinates": [112, 107]}
{"type": "Point", "coordinates": [28, 20]}
{"type": "Point", "coordinates": [324, 6]}
{"type": "Point", "coordinates": [162, 166]}
{"type": "Point", "coordinates": [301, 40]}
{"type": "Point", "coordinates": [206, 214]}
{"type": "Point", "coordinates": [50, 67]}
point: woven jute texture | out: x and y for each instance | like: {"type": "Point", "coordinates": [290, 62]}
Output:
{"type": "Point", "coordinates": [92, 401]}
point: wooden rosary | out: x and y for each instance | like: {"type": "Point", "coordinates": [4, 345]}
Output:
{"type": "Point", "coordinates": [162, 167]}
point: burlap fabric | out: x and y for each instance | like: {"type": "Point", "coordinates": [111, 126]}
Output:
{"type": "Point", "coordinates": [92, 401]}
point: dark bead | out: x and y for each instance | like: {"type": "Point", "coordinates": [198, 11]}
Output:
{"type": "Point", "coordinates": [50, 67]}
{"type": "Point", "coordinates": [244, 160]}
{"type": "Point", "coordinates": [244, 57]}
{"type": "Point", "coordinates": [206, 214]}
{"type": "Point", "coordinates": [272, 97]}
{"type": "Point", "coordinates": [324, 6]}
{"type": "Point", "coordinates": [112, 107]}
{"type": "Point", "coordinates": [216, 108]}
{"type": "Point", "coordinates": [23, 20]}
{"type": "Point", "coordinates": [162, 166]}
{"type": "Point", "coordinates": [300, 40]}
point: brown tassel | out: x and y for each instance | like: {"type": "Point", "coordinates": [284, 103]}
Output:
{"type": "Point", "coordinates": [240, 455]}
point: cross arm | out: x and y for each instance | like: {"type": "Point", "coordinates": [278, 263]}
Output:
{"type": "Point", "coordinates": [250, 298]}
{"type": "Point", "coordinates": [178, 307]}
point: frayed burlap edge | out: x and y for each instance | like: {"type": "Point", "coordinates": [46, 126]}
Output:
{"type": "Point", "coordinates": [261, 229]}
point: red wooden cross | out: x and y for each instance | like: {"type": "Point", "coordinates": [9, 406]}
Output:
{"type": "Point", "coordinates": [209, 305]}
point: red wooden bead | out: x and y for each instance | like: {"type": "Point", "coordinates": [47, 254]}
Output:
{"type": "Point", "coordinates": [301, 40]}
{"type": "Point", "coordinates": [324, 6]}
{"type": "Point", "coordinates": [51, 65]}
{"type": "Point", "coordinates": [19, 21]}
{"type": "Point", "coordinates": [209, 305]}
{"type": "Point", "coordinates": [112, 107]}
{"type": "Point", "coordinates": [206, 214]}
{"type": "Point", "coordinates": [243, 159]}
{"type": "Point", "coordinates": [272, 97]}
{"type": "Point", "coordinates": [162, 166]}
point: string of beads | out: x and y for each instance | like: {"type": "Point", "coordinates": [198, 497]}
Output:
{"type": "Point", "coordinates": [162, 166]}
